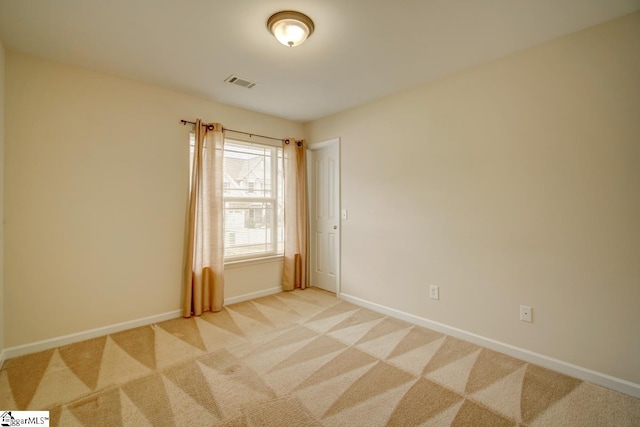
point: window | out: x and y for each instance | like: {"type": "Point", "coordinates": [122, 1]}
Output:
{"type": "Point", "coordinates": [253, 213]}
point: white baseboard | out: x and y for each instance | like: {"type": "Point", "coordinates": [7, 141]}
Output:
{"type": "Point", "coordinates": [21, 350]}
{"type": "Point", "coordinates": [34, 347]}
{"type": "Point", "coordinates": [585, 374]}
{"type": "Point", "coordinates": [253, 295]}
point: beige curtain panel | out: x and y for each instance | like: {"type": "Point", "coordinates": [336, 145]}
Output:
{"type": "Point", "coordinates": [296, 214]}
{"type": "Point", "coordinates": [203, 288]}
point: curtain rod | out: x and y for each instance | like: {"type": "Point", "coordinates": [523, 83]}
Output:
{"type": "Point", "coordinates": [210, 127]}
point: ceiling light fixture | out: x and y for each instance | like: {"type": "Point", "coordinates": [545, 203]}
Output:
{"type": "Point", "coordinates": [290, 28]}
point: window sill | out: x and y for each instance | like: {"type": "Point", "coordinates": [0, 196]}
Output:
{"type": "Point", "coordinates": [252, 261]}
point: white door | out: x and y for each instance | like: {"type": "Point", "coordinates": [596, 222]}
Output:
{"type": "Point", "coordinates": [324, 214]}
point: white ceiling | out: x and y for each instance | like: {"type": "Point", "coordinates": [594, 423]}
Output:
{"type": "Point", "coordinates": [361, 49]}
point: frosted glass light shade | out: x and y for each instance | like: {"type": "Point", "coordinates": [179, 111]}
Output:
{"type": "Point", "coordinates": [290, 28]}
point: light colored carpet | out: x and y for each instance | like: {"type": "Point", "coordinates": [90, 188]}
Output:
{"type": "Point", "coordinates": [301, 358]}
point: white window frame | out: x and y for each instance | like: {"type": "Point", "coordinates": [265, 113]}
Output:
{"type": "Point", "coordinates": [273, 200]}
{"type": "Point", "coordinates": [276, 164]}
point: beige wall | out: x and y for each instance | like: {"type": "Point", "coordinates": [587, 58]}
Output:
{"type": "Point", "coordinates": [252, 278]}
{"type": "Point", "coordinates": [2, 311]}
{"type": "Point", "coordinates": [515, 182]}
{"type": "Point", "coordinates": [96, 180]}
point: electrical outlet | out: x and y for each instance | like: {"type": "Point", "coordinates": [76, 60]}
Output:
{"type": "Point", "coordinates": [525, 313]}
{"type": "Point", "coordinates": [434, 292]}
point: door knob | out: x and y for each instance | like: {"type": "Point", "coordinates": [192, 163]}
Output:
{"type": "Point", "coordinates": [335, 227]}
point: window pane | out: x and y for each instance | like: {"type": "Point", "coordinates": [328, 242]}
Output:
{"type": "Point", "coordinates": [247, 168]}
{"type": "Point", "coordinates": [248, 228]}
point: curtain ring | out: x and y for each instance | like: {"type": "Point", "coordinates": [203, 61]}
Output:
{"type": "Point", "coordinates": [209, 127]}
{"type": "Point", "coordinates": [299, 143]}
{"type": "Point", "coordinates": [287, 141]}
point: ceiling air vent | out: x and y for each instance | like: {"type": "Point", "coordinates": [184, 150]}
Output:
{"type": "Point", "coordinates": [239, 81]}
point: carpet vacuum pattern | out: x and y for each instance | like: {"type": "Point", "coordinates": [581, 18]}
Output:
{"type": "Point", "coordinates": [301, 358]}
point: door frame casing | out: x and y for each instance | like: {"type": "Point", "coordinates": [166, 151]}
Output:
{"type": "Point", "coordinates": [317, 147]}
